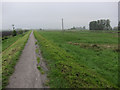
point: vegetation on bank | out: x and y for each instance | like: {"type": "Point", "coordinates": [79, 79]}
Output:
{"type": "Point", "coordinates": [9, 37]}
{"type": "Point", "coordinates": [10, 56]}
{"type": "Point", "coordinates": [10, 40]}
{"type": "Point", "coordinates": [75, 66]}
{"type": "Point", "coordinates": [41, 70]}
{"type": "Point", "coordinates": [4, 34]}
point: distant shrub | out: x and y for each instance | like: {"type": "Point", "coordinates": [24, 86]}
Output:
{"type": "Point", "coordinates": [20, 32]}
{"type": "Point", "coordinates": [6, 33]}
{"type": "Point", "coordinates": [26, 30]}
{"type": "Point", "coordinates": [5, 37]}
{"type": "Point", "coordinates": [14, 33]}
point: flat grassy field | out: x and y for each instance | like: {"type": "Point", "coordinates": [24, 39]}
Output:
{"type": "Point", "coordinates": [11, 54]}
{"type": "Point", "coordinates": [80, 58]}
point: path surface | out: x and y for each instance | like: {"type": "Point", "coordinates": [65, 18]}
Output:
{"type": "Point", "coordinates": [26, 74]}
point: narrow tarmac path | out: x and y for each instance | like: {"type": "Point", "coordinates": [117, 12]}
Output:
{"type": "Point", "coordinates": [26, 74]}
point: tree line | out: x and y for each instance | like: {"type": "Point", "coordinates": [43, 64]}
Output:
{"type": "Point", "coordinates": [78, 28]}
{"type": "Point", "coordinates": [100, 25]}
{"type": "Point", "coordinates": [6, 34]}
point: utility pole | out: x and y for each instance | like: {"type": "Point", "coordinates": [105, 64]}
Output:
{"type": "Point", "coordinates": [62, 24]}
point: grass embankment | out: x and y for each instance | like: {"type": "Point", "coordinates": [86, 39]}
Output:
{"type": "Point", "coordinates": [10, 57]}
{"type": "Point", "coordinates": [7, 42]}
{"type": "Point", "coordinates": [65, 68]}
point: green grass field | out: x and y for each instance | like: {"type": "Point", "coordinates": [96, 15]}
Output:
{"type": "Point", "coordinates": [11, 54]}
{"type": "Point", "coordinates": [80, 58]}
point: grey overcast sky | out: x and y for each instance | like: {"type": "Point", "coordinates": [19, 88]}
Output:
{"type": "Point", "coordinates": [119, 11]}
{"type": "Point", "coordinates": [48, 15]}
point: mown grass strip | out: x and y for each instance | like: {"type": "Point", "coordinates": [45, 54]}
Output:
{"type": "Point", "coordinates": [64, 72]}
{"type": "Point", "coordinates": [10, 57]}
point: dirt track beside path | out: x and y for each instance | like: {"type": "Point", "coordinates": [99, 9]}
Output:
{"type": "Point", "coordinates": [26, 74]}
